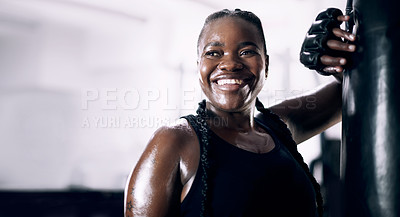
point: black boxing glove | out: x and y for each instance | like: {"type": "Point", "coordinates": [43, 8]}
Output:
{"type": "Point", "coordinates": [314, 45]}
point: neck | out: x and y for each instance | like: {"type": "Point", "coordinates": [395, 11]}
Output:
{"type": "Point", "coordinates": [237, 120]}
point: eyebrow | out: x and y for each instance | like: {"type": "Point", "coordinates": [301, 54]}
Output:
{"type": "Point", "coordinates": [219, 44]}
{"type": "Point", "coordinates": [248, 43]}
{"type": "Point", "coordinates": [214, 44]}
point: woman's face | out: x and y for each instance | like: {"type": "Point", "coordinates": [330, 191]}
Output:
{"type": "Point", "coordinates": [232, 65]}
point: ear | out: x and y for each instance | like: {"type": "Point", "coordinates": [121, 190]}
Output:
{"type": "Point", "coordinates": [266, 66]}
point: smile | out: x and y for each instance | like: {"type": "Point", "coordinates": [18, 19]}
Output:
{"type": "Point", "coordinates": [231, 84]}
{"type": "Point", "coordinates": [229, 81]}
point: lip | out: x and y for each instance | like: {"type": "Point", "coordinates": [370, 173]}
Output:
{"type": "Point", "coordinates": [231, 83]}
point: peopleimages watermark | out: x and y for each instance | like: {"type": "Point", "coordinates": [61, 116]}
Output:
{"type": "Point", "coordinates": [138, 121]}
{"type": "Point", "coordinates": [150, 108]}
{"type": "Point", "coordinates": [125, 122]}
{"type": "Point", "coordinates": [132, 98]}
{"type": "Point", "coordinates": [187, 99]}
{"type": "Point", "coordinates": [298, 100]}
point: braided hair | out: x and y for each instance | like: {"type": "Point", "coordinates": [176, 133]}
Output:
{"type": "Point", "coordinates": [279, 128]}
{"type": "Point", "coordinates": [205, 138]}
{"type": "Point", "coordinates": [276, 124]}
{"type": "Point", "coordinates": [245, 15]}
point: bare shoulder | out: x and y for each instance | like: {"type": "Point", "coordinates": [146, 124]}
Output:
{"type": "Point", "coordinates": [176, 134]}
{"type": "Point", "coordinates": [167, 149]}
{"type": "Point", "coordinates": [158, 173]}
{"type": "Point", "coordinates": [174, 146]}
{"type": "Point", "coordinates": [175, 141]}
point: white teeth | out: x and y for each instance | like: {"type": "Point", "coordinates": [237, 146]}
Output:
{"type": "Point", "coordinates": [229, 81]}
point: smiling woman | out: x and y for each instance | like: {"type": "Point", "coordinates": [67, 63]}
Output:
{"type": "Point", "coordinates": [232, 63]}
{"type": "Point", "coordinates": [247, 164]}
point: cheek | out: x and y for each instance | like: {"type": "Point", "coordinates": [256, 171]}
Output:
{"type": "Point", "coordinates": [204, 70]}
{"type": "Point", "coordinates": [262, 70]}
{"type": "Point", "coordinates": [258, 66]}
{"type": "Point", "coordinates": [201, 72]}
{"type": "Point", "coordinates": [261, 64]}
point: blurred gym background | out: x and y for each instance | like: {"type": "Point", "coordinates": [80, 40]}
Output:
{"type": "Point", "coordinates": [84, 84]}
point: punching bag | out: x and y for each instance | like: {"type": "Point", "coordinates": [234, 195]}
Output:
{"type": "Point", "coordinates": [370, 166]}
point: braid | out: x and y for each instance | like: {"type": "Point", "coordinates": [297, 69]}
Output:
{"type": "Point", "coordinates": [245, 15]}
{"type": "Point", "coordinates": [201, 120]}
{"type": "Point", "coordinates": [284, 134]}
{"type": "Point", "coordinates": [281, 130]}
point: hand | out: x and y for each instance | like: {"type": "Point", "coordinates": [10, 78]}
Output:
{"type": "Point", "coordinates": [324, 48]}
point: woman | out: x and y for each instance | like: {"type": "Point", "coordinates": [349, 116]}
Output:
{"type": "Point", "coordinates": [224, 161]}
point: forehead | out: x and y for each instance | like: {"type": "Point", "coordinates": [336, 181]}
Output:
{"type": "Point", "coordinates": [230, 30]}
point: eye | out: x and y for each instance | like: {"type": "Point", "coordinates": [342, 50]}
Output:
{"type": "Point", "coordinates": [248, 53]}
{"type": "Point", "coordinates": [212, 54]}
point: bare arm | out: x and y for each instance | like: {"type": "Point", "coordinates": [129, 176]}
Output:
{"type": "Point", "coordinates": [155, 186]}
{"type": "Point", "coordinates": [311, 114]}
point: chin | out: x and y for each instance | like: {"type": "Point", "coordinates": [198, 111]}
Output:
{"type": "Point", "coordinates": [232, 105]}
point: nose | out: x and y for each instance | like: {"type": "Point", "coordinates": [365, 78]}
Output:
{"type": "Point", "coordinates": [230, 63]}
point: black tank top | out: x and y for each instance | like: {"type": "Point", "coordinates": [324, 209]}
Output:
{"type": "Point", "coordinates": [243, 183]}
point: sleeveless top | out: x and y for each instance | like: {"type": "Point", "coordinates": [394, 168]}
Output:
{"type": "Point", "coordinates": [242, 183]}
